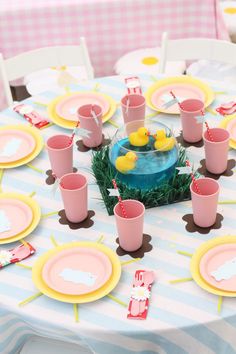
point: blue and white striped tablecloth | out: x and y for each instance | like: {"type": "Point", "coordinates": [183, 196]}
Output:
{"type": "Point", "coordinates": [182, 318]}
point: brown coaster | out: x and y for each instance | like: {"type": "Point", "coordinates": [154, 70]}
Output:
{"type": "Point", "coordinates": [192, 227]}
{"type": "Point", "coordinates": [185, 144]}
{"type": "Point", "coordinates": [82, 148]}
{"type": "Point", "coordinates": [228, 172]}
{"type": "Point", "coordinates": [146, 247]}
{"type": "Point", "coordinates": [50, 179]}
{"type": "Point", "coordinates": [86, 224]}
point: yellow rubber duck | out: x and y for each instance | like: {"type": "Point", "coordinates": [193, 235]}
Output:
{"type": "Point", "coordinates": [140, 137]}
{"type": "Point", "coordinates": [127, 162]}
{"type": "Point", "coordinates": [163, 143]}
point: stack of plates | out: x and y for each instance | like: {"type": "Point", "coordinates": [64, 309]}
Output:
{"type": "Point", "coordinates": [19, 144]}
{"type": "Point", "coordinates": [77, 272]}
{"type": "Point", "coordinates": [229, 123]}
{"type": "Point", "coordinates": [184, 87]}
{"type": "Point", "coordinates": [63, 109]}
{"type": "Point", "coordinates": [213, 266]}
{"type": "Point", "coordinates": [19, 215]}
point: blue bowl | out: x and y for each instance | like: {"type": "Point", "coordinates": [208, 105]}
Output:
{"type": "Point", "coordinates": [153, 168]}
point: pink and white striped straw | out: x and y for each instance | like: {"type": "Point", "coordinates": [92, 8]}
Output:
{"type": "Point", "coordinates": [73, 134]}
{"type": "Point", "coordinates": [193, 178]}
{"type": "Point", "coordinates": [173, 95]}
{"type": "Point", "coordinates": [120, 200]}
{"type": "Point", "coordinates": [209, 132]}
{"type": "Point", "coordinates": [208, 128]}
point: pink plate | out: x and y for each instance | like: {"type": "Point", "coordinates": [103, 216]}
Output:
{"type": "Point", "coordinates": [15, 144]}
{"type": "Point", "coordinates": [181, 91]}
{"type": "Point", "coordinates": [16, 214]}
{"type": "Point", "coordinates": [231, 127]}
{"type": "Point", "coordinates": [214, 259]}
{"type": "Point", "coordinates": [67, 108]}
{"type": "Point", "coordinates": [77, 271]}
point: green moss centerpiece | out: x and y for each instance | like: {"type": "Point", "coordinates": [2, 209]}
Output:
{"type": "Point", "coordinates": [175, 190]}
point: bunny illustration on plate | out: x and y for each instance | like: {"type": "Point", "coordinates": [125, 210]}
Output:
{"type": "Point", "coordinates": [78, 276]}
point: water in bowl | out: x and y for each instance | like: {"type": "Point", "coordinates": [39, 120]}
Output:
{"type": "Point", "coordinates": [153, 168]}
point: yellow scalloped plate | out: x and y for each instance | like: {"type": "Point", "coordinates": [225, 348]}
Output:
{"type": "Point", "coordinates": [208, 92]}
{"type": "Point", "coordinates": [38, 145]}
{"type": "Point", "coordinates": [35, 220]}
{"type": "Point", "coordinates": [77, 299]}
{"type": "Point", "coordinates": [224, 123]}
{"type": "Point", "coordinates": [71, 124]}
{"type": "Point", "coordinates": [195, 264]}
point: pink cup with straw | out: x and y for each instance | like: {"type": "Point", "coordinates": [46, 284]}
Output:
{"type": "Point", "coordinates": [60, 152]}
{"type": "Point", "coordinates": [133, 108]}
{"type": "Point", "coordinates": [205, 204]}
{"type": "Point", "coordinates": [74, 192]}
{"type": "Point", "coordinates": [130, 229]}
{"type": "Point", "coordinates": [216, 151]}
{"type": "Point", "coordinates": [189, 109]}
{"type": "Point", "coordinates": [92, 123]}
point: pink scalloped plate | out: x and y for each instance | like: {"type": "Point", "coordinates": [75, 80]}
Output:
{"type": "Point", "coordinates": [231, 127]}
{"type": "Point", "coordinates": [77, 271]}
{"type": "Point", "coordinates": [67, 108]}
{"type": "Point", "coordinates": [213, 259]}
{"type": "Point", "coordinates": [181, 90]}
{"type": "Point", "coordinates": [25, 145]}
{"type": "Point", "coordinates": [18, 214]}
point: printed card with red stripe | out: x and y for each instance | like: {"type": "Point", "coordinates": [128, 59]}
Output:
{"type": "Point", "coordinates": [16, 254]}
{"type": "Point", "coordinates": [31, 115]}
{"type": "Point", "coordinates": [140, 295]}
{"type": "Point", "coordinates": [133, 85]}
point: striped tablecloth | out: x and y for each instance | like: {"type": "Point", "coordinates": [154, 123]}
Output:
{"type": "Point", "coordinates": [182, 318]}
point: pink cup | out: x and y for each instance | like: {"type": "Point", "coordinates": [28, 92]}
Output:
{"type": "Point", "coordinates": [130, 229]}
{"type": "Point", "coordinates": [205, 204]}
{"type": "Point", "coordinates": [136, 108]}
{"type": "Point", "coordinates": [192, 131]}
{"type": "Point", "coordinates": [216, 151]}
{"type": "Point", "coordinates": [88, 122]}
{"type": "Point", "coordinates": [60, 151]}
{"type": "Point", "coordinates": [74, 192]}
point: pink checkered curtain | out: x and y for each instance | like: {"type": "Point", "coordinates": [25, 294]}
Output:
{"type": "Point", "coordinates": [221, 29]}
{"type": "Point", "coordinates": [3, 102]}
{"type": "Point", "coordinates": [111, 27]}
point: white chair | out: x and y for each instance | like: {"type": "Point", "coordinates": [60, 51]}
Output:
{"type": "Point", "coordinates": [146, 60]}
{"type": "Point", "coordinates": [229, 14]}
{"type": "Point", "coordinates": [38, 345]}
{"type": "Point", "coordinates": [28, 62]}
{"type": "Point", "coordinates": [196, 48]}
{"type": "Point", "coordinates": [213, 70]}
{"type": "Point", "coordinates": [56, 79]}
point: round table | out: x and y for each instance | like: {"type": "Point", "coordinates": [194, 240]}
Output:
{"type": "Point", "coordinates": [182, 318]}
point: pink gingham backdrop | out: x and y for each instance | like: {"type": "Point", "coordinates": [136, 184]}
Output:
{"type": "Point", "coordinates": [111, 27]}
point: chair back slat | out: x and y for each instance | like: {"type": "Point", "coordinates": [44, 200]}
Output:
{"type": "Point", "coordinates": [34, 60]}
{"type": "Point", "coordinates": [196, 48]}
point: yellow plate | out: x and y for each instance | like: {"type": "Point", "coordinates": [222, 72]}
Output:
{"type": "Point", "coordinates": [71, 124]}
{"type": "Point", "coordinates": [36, 216]}
{"type": "Point", "coordinates": [77, 299]}
{"type": "Point", "coordinates": [224, 123]}
{"type": "Point", "coordinates": [209, 94]}
{"type": "Point", "coordinates": [38, 140]}
{"type": "Point", "coordinates": [195, 262]}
